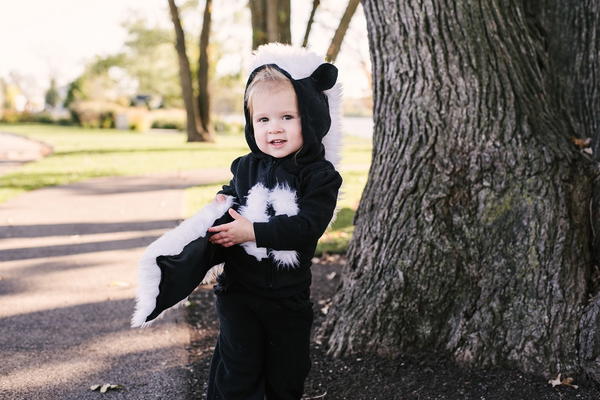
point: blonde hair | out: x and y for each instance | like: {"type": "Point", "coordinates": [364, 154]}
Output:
{"type": "Point", "coordinates": [268, 76]}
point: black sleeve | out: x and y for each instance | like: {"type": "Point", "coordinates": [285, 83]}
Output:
{"type": "Point", "coordinates": [229, 189]}
{"type": "Point", "coordinates": [316, 206]}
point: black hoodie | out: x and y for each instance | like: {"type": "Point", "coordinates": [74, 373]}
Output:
{"type": "Point", "coordinates": [290, 200]}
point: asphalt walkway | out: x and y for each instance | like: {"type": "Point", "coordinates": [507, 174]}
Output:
{"type": "Point", "coordinates": [68, 265]}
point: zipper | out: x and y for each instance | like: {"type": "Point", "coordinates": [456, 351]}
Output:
{"type": "Point", "coordinates": [270, 185]}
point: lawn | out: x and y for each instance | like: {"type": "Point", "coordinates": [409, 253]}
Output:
{"type": "Point", "coordinates": [81, 154]}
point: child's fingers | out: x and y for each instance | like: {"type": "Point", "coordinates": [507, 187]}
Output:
{"type": "Point", "coordinates": [235, 214]}
{"type": "Point", "coordinates": [219, 228]}
{"type": "Point", "coordinates": [220, 237]}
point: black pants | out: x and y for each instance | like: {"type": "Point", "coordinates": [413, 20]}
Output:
{"type": "Point", "coordinates": [262, 349]}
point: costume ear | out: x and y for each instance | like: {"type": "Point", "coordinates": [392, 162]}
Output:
{"type": "Point", "coordinates": [325, 76]}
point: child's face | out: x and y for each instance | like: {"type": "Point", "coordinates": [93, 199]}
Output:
{"type": "Point", "coordinates": [276, 120]}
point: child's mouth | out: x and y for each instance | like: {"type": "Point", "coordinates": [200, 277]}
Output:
{"type": "Point", "coordinates": [277, 142]}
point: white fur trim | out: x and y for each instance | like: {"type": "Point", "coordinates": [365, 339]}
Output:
{"type": "Point", "coordinates": [300, 63]}
{"type": "Point", "coordinates": [285, 258]}
{"type": "Point", "coordinates": [171, 243]}
{"type": "Point", "coordinates": [283, 200]}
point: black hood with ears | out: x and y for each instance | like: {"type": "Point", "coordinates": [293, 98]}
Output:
{"type": "Point", "coordinates": [313, 107]}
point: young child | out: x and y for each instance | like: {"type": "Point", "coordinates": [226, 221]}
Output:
{"type": "Point", "coordinates": [285, 192]}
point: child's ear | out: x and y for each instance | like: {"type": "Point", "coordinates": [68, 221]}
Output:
{"type": "Point", "coordinates": [325, 76]}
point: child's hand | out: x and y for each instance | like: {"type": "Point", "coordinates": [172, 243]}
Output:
{"type": "Point", "coordinates": [220, 198]}
{"type": "Point", "coordinates": [239, 231]}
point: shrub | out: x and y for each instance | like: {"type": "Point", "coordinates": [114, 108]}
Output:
{"type": "Point", "coordinates": [227, 128]}
{"type": "Point", "coordinates": [139, 119]}
{"type": "Point", "coordinates": [165, 118]}
{"type": "Point", "coordinates": [95, 114]}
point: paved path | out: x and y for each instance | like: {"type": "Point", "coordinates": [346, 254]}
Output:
{"type": "Point", "coordinates": [68, 264]}
{"type": "Point", "coordinates": [16, 150]}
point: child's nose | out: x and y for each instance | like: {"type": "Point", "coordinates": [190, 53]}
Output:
{"type": "Point", "coordinates": [275, 127]}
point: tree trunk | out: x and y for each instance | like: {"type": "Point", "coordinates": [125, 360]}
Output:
{"type": "Point", "coordinates": [270, 21]}
{"type": "Point", "coordinates": [203, 59]}
{"type": "Point", "coordinates": [340, 32]}
{"type": "Point", "coordinates": [258, 12]}
{"type": "Point", "coordinates": [310, 22]}
{"type": "Point", "coordinates": [193, 126]}
{"type": "Point", "coordinates": [473, 232]}
{"type": "Point", "coordinates": [571, 31]}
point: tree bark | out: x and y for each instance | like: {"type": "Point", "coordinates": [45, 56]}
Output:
{"type": "Point", "coordinates": [473, 232]}
{"type": "Point", "coordinates": [193, 126]}
{"type": "Point", "coordinates": [340, 32]}
{"type": "Point", "coordinates": [203, 59]}
{"type": "Point", "coordinates": [310, 22]}
{"type": "Point", "coordinates": [270, 21]}
{"type": "Point", "coordinates": [571, 36]}
{"type": "Point", "coordinates": [258, 12]}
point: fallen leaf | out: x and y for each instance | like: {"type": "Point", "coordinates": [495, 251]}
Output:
{"type": "Point", "coordinates": [564, 382]}
{"type": "Point", "coordinates": [555, 382]}
{"type": "Point", "coordinates": [569, 382]}
{"type": "Point", "coordinates": [584, 142]}
{"type": "Point", "coordinates": [106, 387]}
{"type": "Point", "coordinates": [588, 150]}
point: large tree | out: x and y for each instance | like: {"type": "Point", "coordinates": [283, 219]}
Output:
{"type": "Point", "coordinates": [473, 234]}
{"type": "Point", "coordinates": [570, 31]}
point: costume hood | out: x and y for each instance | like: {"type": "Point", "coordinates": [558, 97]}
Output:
{"type": "Point", "coordinates": [319, 99]}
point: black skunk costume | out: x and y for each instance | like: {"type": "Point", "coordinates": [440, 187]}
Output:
{"type": "Point", "coordinates": [290, 200]}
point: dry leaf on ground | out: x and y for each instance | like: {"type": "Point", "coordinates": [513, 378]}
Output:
{"type": "Point", "coordinates": [564, 382]}
{"type": "Point", "coordinates": [106, 387]}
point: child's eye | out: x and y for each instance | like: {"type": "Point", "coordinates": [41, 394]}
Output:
{"type": "Point", "coordinates": [263, 119]}
{"type": "Point", "coordinates": [287, 116]}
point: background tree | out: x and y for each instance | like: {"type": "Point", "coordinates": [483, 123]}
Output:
{"type": "Point", "coordinates": [151, 60]}
{"type": "Point", "coordinates": [270, 21]}
{"type": "Point", "coordinates": [194, 129]}
{"type": "Point", "coordinates": [203, 67]}
{"type": "Point", "coordinates": [340, 32]}
{"type": "Point", "coordinates": [473, 232]}
{"type": "Point", "coordinates": [52, 97]}
{"type": "Point", "coordinates": [311, 18]}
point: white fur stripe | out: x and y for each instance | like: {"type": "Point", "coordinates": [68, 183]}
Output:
{"type": "Point", "coordinates": [256, 211]}
{"type": "Point", "coordinates": [284, 202]}
{"type": "Point", "coordinates": [171, 243]}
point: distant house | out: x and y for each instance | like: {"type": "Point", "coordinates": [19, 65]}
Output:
{"type": "Point", "coordinates": [150, 101]}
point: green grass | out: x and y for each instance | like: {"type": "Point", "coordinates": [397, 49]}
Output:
{"type": "Point", "coordinates": [81, 154]}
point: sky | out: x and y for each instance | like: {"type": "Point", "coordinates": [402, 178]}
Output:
{"type": "Point", "coordinates": [41, 39]}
